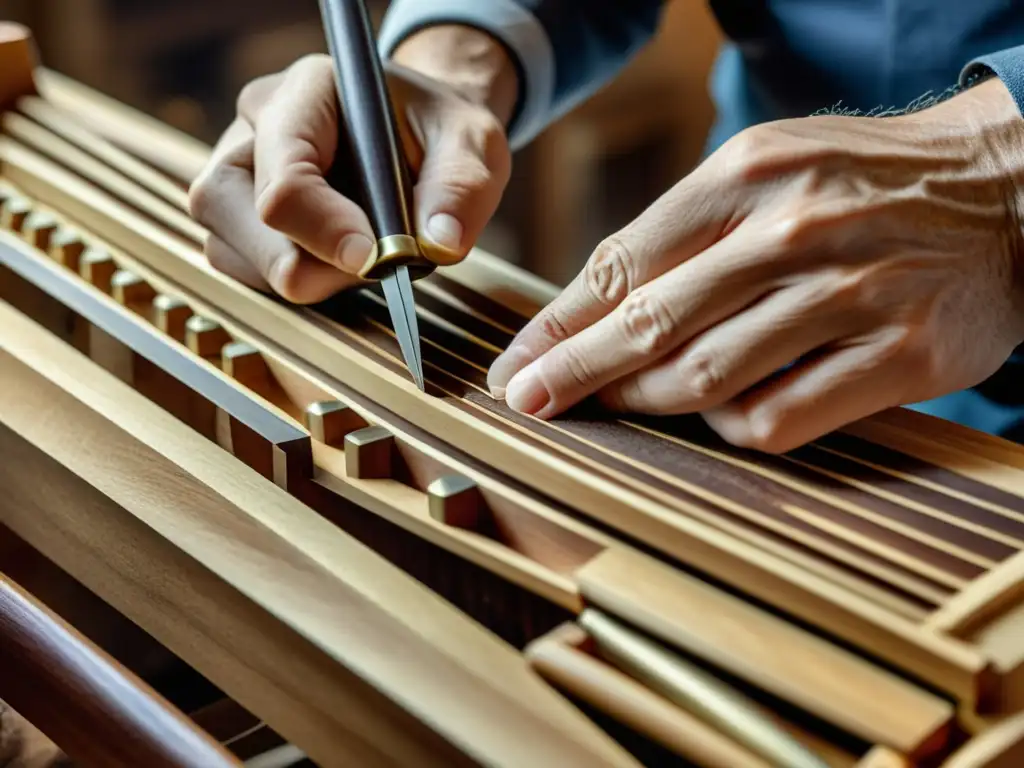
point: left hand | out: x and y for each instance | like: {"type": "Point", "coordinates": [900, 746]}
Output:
{"type": "Point", "coordinates": [877, 260]}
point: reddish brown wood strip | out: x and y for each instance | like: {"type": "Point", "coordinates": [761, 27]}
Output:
{"type": "Point", "coordinates": [909, 466]}
{"type": "Point", "coordinates": [98, 712]}
{"type": "Point", "coordinates": [1004, 525]}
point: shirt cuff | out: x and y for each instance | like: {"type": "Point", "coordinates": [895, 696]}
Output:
{"type": "Point", "coordinates": [1007, 65]}
{"type": "Point", "coordinates": [507, 21]}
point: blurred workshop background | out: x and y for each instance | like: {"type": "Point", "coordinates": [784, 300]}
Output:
{"type": "Point", "coordinates": [184, 61]}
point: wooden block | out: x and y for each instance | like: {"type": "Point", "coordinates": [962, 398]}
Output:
{"type": "Point", "coordinates": [128, 288]}
{"type": "Point", "coordinates": [17, 63]}
{"type": "Point", "coordinates": [38, 229]}
{"type": "Point", "coordinates": [170, 314]}
{"type": "Point", "coordinates": [14, 212]}
{"type": "Point", "coordinates": [205, 337]}
{"type": "Point", "coordinates": [329, 421]}
{"type": "Point", "coordinates": [455, 500]}
{"type": "Point", "coordinates": [66, 247]}
{"type": "Point", "coordinates": [369, 453]}
{"type": "Point", "coordinates": [244, 363]}
{"type": "Point", "coordinates": [97, 267]}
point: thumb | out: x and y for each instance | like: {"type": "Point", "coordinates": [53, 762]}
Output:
{"type": "Point", "coordinates": [465, 168]}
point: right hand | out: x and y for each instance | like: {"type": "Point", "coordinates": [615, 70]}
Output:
{"type": "Point", "coordinates": [276, 225]}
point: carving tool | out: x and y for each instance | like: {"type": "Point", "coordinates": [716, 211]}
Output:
{"type": "Point", "coordinates": [368, 123]}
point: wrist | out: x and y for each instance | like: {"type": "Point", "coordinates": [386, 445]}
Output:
{"type": "Point", "coordinates": [986, 127]}
{"type": "Point", "coordinates": [468, 60]}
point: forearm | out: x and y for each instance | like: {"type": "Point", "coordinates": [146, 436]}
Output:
{"type": "Point", "coordinates": [561, 51]}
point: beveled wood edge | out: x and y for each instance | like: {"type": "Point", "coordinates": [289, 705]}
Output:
{"type": "Point", "coordinates": [488, 672]}
{"type": "Point", "coordinates": [783, 660]}
{"type": "Point", "coordinates": [1001, 746]}
{"type": "Point", "coordinates": [101, 311]}
{"type": "Point", "coordinates": [99, 699]}
{"type": "Point", "coordinates": [560, 658]}
{"type": "Point", "coordinates": [982, 600]}
{"type": "Point", "coordinates": [173, 151]}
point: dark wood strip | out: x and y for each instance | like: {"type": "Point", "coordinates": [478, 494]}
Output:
{"type": "Point", "coordinates": [134, 334]}
{"type": "Point", "coordinates": [950, 505]}
{"type": "Point", "coordinates": [744, 488]}
{"type": "Point", "coordinates": [385, 352]}
{"type": "Point", "coordinates": [468, 321]}
{"type": "Point", "coordinates": [613, 468]}
{"type": "Point", "coordinates": [480, 303]}
{"type": "Point", "coordinates": [98, 712]}
{"type": "Point", "coordinates": [736, 484]}
{"type": "Point", "coordinates": [728, 481]}
{"type": "Point", "coordinates": [905, 464]}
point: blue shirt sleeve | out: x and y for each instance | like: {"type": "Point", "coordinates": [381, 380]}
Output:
{"type": "Point", "coordinates": [1007, 65]}
{"type": "Point", "coordinates": [565, 50]}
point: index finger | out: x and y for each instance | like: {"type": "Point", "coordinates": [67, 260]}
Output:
{"type": "Point", "coordinates": [296, 144]}
{"type": "Point", "coordinates": [682, 223]}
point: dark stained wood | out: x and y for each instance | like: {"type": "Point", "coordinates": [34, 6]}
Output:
{"type": "Point", "coordinates": [171, 358]}
{"type": "Point", "coordinates": [97, 712]}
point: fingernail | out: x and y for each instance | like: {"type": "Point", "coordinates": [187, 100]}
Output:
{"type": "Point", "coordinates": [445, 230]}
{"type": "Point", "coordinates": [507, 365]}
{"type": "Point", "coordinates": [352, 253]}
{"type": "Point", "coordinates": [526, 392]}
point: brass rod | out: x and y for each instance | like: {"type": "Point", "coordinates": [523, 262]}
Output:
{"type": "Point", "coordinates": [695, 690]}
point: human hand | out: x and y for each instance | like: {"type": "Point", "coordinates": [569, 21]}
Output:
{"type": "Point", "coordinates": [277, 225]}
{"type": "Point", "coordinates": [811, 272]}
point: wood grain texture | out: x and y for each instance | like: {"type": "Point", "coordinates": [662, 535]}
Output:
{"type": "Point", "coordinates": [813, 537]}
{"type": "Point", "coordinates": [893, 534]}
{"type": "Point", "coordinates": [772, 654]}
{"type": "Point", "coordinates": [559, 659]}
{"type": "Point", "coordinates": [106, 715]}
{"type": "Point", "coordinates": [385, 633]}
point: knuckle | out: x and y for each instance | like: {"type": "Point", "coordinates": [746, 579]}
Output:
{"type": "Point", "coordinates": [200, 197]}
{"type": "Point", "coordinates": [610, 273]}
{"type": "Point", "coordinates": [746, 152]}
{"type": "Point", "coordinates": [464, 177]}
{"type": "Point", "coordinates": [312, 65]}
{"type": "Point", "coordinates": [284, 277]}
{"type": "Point", "coordinates": [579, 371]}
{"type": "Point", "coordinates": [844, 290]}
{"type": "Point", "coordinates": [552, 326]}
{"type": "Point", "coordinates": [276, 200]}
{"type": "Point", "coordinates": [702, 376]}
{"type": "Point", "coordinates": [646, 323]}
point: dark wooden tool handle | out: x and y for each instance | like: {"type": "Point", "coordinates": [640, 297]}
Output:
{"type": "Point", "coordinates": [96, 711]}
{"type": "Point", "coordinates": [367, 118]}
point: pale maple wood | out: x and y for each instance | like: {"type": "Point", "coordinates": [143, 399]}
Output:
{"type": "Point", "coordinates": [558, 657]}
{"type": "Point", "coordinates": [998, 590]}
{"type": "Point", "coordinates": [157, 143]}
{"type": "Point", "coordinates": [773, 654]}
{"type": "Point", "coordinates": [338, 594]}
{"type": "Point", "coordinates": [881, 757]}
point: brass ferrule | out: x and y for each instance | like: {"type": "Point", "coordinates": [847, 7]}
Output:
{"type": "Point", "coordinates": [394, 251]}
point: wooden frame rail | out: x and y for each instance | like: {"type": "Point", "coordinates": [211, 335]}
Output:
{"type": "Point", "coordinates": [96, 711]}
